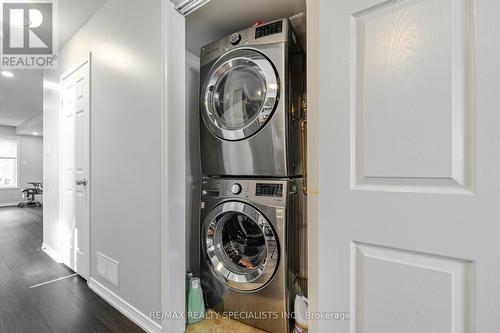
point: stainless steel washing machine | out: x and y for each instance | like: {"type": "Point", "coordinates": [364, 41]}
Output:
{"type": "Point", "coordinates": [252, 88]}
{"type": "Point", "coordinates": [249, 248]}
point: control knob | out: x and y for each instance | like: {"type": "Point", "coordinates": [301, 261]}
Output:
{"type": "Point", "coordinates": [236, 188]}
{"type": "Point", "coordinates": [235, 38]}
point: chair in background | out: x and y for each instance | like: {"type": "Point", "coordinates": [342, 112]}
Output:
{"type": "Point", "coordinates": [29, 195]}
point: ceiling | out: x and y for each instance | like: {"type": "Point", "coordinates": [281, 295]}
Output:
{"type": "Point", "coordinates": [73, 14]}
{"type": "Point", "coordinates": [219, 18]}
{"type": "Point", "coordinates": [21, 97]}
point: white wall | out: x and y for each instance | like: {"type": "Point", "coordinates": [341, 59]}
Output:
{"type": "Point", "coordinates": [29, 165]}
{"type": "Point", "coordinates": [124, 37]}
{"type": "Point", "coordinates": [51, 159]}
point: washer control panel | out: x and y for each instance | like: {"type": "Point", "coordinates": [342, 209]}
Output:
{"type": "Point", "coordinates": [262, 191]}
{"type": "Point", "coordinates": [268, 190]}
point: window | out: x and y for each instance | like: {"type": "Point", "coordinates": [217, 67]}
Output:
{"type": "Point", "coordinates": [8, 162]}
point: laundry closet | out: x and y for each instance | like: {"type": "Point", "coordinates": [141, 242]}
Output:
{"type": "Point", "coordinates": [246, 230]}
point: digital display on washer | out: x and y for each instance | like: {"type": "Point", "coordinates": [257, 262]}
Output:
{"type": "Point", "coordinates": [269, 190]}
{"type": "Point", "coordinates": [269, 29]}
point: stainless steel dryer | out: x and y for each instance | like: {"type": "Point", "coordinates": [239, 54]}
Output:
{"type": "Point", "coordinates": [252, 86]}
{"type": "Point", "coordinates": [249, 251]}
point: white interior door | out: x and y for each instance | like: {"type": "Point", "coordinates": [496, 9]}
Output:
{"type": "Point", "coordinates": [75, 139]}
{"type": "Point", "coordinates": [409, 165]}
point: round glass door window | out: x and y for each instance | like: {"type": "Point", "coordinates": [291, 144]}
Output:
{"type": "Point", "coordinates": [241, 246]}
{"type": "Point", "coordinates": [239, 95]}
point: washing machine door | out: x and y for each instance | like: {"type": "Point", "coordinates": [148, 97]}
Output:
{"type": "Point", "coordinates": [240, 245]}
{"type": "Point", "coordinates": [239, 95]}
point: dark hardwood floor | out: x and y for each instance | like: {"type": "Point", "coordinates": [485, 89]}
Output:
{"type": "Point", "coordinates": [65, 306]}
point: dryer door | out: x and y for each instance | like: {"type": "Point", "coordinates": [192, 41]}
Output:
{"type": "Point", "coordinates": [239, 95]}
{"type": "Point", "coordinates": [240, 245]}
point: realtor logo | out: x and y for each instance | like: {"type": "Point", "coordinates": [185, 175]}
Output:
{"type": "Point", "coordinates": [28, 35]}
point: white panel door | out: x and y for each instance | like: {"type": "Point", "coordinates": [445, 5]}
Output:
{"type": "Point", "coordinates": [75, 144]}
{"type": "Point", "coordinates": [409, 166]}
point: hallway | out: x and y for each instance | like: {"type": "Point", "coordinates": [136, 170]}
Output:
{"type": "Point", "coordinates": [63, 306]}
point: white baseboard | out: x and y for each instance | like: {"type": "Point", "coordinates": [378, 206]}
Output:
{"type": "Point", "coordinates": [51, 253]}
{"type": "Point", "coordinates": [8, 204]}
{"type": "Point", "coordinates": [128, 310]}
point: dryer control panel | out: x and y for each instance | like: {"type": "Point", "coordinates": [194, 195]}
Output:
{"type": "Point", "coordinates": [278, 31]}
{"type": "Point", "coordinates": [268, 29]}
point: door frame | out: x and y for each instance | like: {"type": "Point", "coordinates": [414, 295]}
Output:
{"type": "Point", "coordinates": [68, 72]}
{"type": "Point", "coordinates": [313, 227]}
{"type": "Point", "coordinates": [174, 178]}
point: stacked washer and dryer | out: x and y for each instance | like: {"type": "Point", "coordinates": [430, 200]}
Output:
{"type": "Point", "coordinates": [252, 201]}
